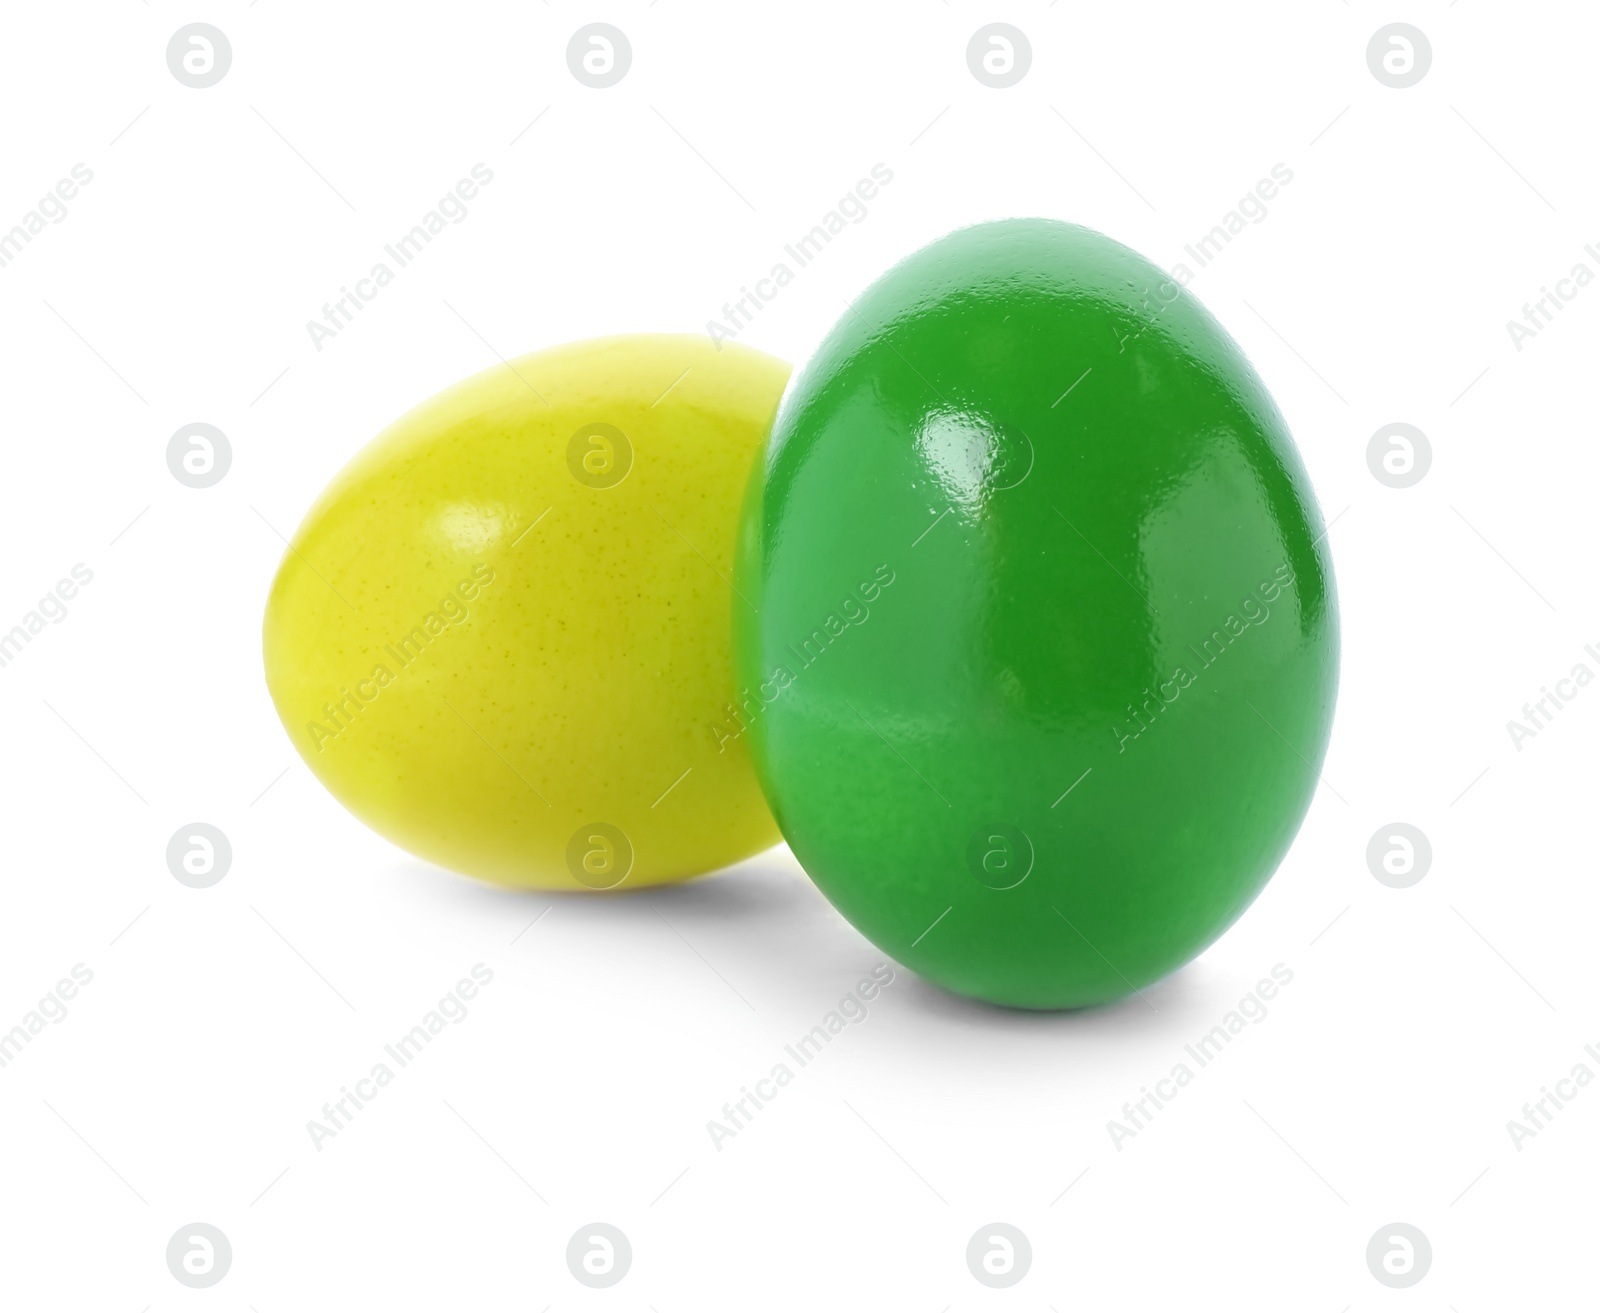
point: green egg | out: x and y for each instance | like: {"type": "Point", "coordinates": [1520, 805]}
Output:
{"type": "Point", "coordinates": [1038, 650]}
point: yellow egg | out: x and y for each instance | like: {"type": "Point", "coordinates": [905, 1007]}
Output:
{"type": "Point", "coordinates": [502, 635]}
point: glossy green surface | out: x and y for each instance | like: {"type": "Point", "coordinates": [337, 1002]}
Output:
{"type": "Point", "coordinates": [1047, 643]}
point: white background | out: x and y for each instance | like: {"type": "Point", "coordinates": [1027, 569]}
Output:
{"type": "Point", "coordinates": [177, 289]}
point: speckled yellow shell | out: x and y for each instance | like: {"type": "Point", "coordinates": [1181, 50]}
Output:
{"type": "Point", "coordinates": [501, 637]}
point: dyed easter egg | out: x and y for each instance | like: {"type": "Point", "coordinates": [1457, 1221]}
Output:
{"type": "Point", "coordinates": [501, 636]}
{"type": "Point", "coordinates": [1042, 650]}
